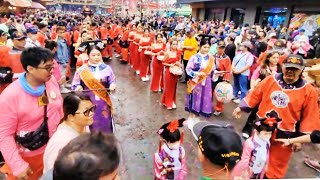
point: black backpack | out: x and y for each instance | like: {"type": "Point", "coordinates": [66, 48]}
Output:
{"type": "Point", "coordinates": [6, 75]}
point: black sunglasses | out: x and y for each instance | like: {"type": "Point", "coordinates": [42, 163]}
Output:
{"type": "Point", "coordinates": [88, 111]}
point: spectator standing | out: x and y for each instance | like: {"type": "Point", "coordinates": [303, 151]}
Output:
{"type": "Point", "coordinates": [240, 69]}
{"type": "Point", "coordinates": [190, 47]}
{"type": "Point", "coordinates": [32, 38]}
{"type": "Point", "coordinates": [78, 115]}
{"type": "Point", "coordinates": [231, 47]}
{"type": "Point", "coordinates": [35, 91]}
{"type": "Point", "coordinates": [62, 55]}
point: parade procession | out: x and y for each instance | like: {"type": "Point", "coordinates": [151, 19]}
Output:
{"type": "Point", "coordinates": [147, 92]}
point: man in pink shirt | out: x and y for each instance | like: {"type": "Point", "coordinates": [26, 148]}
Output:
{"type": "Point", "coordinates": [24, 105]}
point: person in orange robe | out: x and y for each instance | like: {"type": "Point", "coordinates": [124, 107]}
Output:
{"type": "Point", "coordinates": [117, 31]}
{"type": "Point", "coordinates": [4, 51]}
{"type": "Point", "coordinates": [53, 34]}
{"type": "Point", "coordinates": [124, 43]}
{"type": "Point", "coordinates": [42, 37]}
{"type": "Point", "coordinates": [158, 49]}
{"type": "Point", "coordinates": [76, 34]}
{"type": "Point", "coordinates": [172, 58]}
{"type": "Point", "coordinates": [290, 98]}
{"type": "Point", "coordinates": [12, 57]}
{"type": "Point", "coordinates": [93, 31]}
{"type": "Point", "coordinates": [132, 33]}
{"type": "Point", "coordinates": [136, 58]}
{"type": "Point", "coordinates": [104, 35]}
{"type": "Point", "coordinates": [145, 45]}
{"type": "Point", "coordinates": [108, 34]}
{"type": "Point", "coordinates": [223, 63]}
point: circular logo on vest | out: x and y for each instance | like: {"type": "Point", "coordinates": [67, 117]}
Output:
{"type": "Point", "coordinates": [279, 99]}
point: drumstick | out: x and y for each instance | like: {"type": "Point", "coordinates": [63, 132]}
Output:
{"type": "Point", "coordinates": [221, 72]}
{"type": "Point", "coordinates": [88, 90]}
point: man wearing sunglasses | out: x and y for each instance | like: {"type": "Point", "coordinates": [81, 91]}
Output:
{"type": "Point", "coordinates": [12, 57]}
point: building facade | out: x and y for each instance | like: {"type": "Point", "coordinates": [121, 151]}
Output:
{"type": "Point", "coordinates": [274, 12]}
{"type": "Point", "coordinates": [77, 5]}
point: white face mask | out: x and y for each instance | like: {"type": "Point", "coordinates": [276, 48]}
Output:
{"type": "Point", "coordinates": [174, 146]}
{"type": "Point", "coordinates": [265, 136]}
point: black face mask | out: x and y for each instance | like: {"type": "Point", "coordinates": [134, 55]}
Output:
{"type": "Point", "coordinates": [109, 28]}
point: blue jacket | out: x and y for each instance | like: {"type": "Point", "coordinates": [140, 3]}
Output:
{"type": "Point", "coordinates": [62, 56]}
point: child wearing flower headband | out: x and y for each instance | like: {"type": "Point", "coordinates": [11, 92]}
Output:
{"type": "Point", "coordinates": [255, 153]}
{"type": "Point", "coordinates": [169, 162]}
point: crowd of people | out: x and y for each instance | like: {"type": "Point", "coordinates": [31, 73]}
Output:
{"type": "Point", "coordinates": [56, 120]}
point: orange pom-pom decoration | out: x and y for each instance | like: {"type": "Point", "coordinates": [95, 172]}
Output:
{"type": "Point", "coordinates": [270, 121]}
{"type": "Point", "coordinates": [173, 126]}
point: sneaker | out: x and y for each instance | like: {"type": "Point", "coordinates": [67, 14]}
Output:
{"type": "Point", "coordinates": [145, 79]}
{"type": "Point", "coordinates": [137, 72]}
{"type": "Point", "coordinates": [237, 101]}
{"type": "Point", "coordinates": [169, 108]}
{"type": "Point", "coordinates": [196, 120]}
{"type": "Point", "coordinates": [216, 113]}
{"type": "Point", "coordinates": [67, 85]}
{"type": "Point", "coordinates": [117, 55]}
{"type": "Point", "coordinates": [245, 135]}
{"type": "Point", "coordinates": [313, 164]}
{"type": "Point", "coordinates": [190, 123]}
{"type": "Point", "coordinates": [174, 106]}
{"type": "Point", "coordinates": [64, 90]}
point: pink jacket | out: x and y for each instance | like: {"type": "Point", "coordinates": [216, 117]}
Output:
{"type": "Point", "coordinates": [306, 48]}
{"type": "Point", "coordinates": [242, 168]}
{"type": "Point", "coordinates": [56, 70]}
{"type": "Point", "coordinates": [159, 166]}
{"type": "Point", "coordinates": [20, 114]}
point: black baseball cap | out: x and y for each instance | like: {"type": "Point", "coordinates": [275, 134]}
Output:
{"type": "Point", "coordinates": [279, 44]}
{"type": "Point", "coordinates": [295, 61]}
{"type": "Point", "coordinates": [220, 144]}
{"type": "Point", "coordinates": [221, 44]}
{"type": "Point", "coordinates": [17, 35]}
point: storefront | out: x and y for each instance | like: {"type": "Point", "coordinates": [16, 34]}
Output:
{"type": "Point", "coordinates": [14, 6]}
{"type": "Point", "coordinates": [285, 13]}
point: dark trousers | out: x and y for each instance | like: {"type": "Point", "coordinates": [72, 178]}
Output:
{"type": "Point", "coordinates": [73, 58]}
{"type": "Point", "coordinates": [248, 127]}
{"type": "Point", "coordinates": [1, 158]}
{"type": "Point", "coordinates": [240, 84]}
{"type": "Point", "coordinates": [185, 63]}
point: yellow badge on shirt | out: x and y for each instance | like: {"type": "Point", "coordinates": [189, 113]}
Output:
{"type": "Point", "coordinates": [43, 100]}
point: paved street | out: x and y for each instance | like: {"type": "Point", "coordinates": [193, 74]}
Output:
{"type": "Point", "coordinates": [139, 115]}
